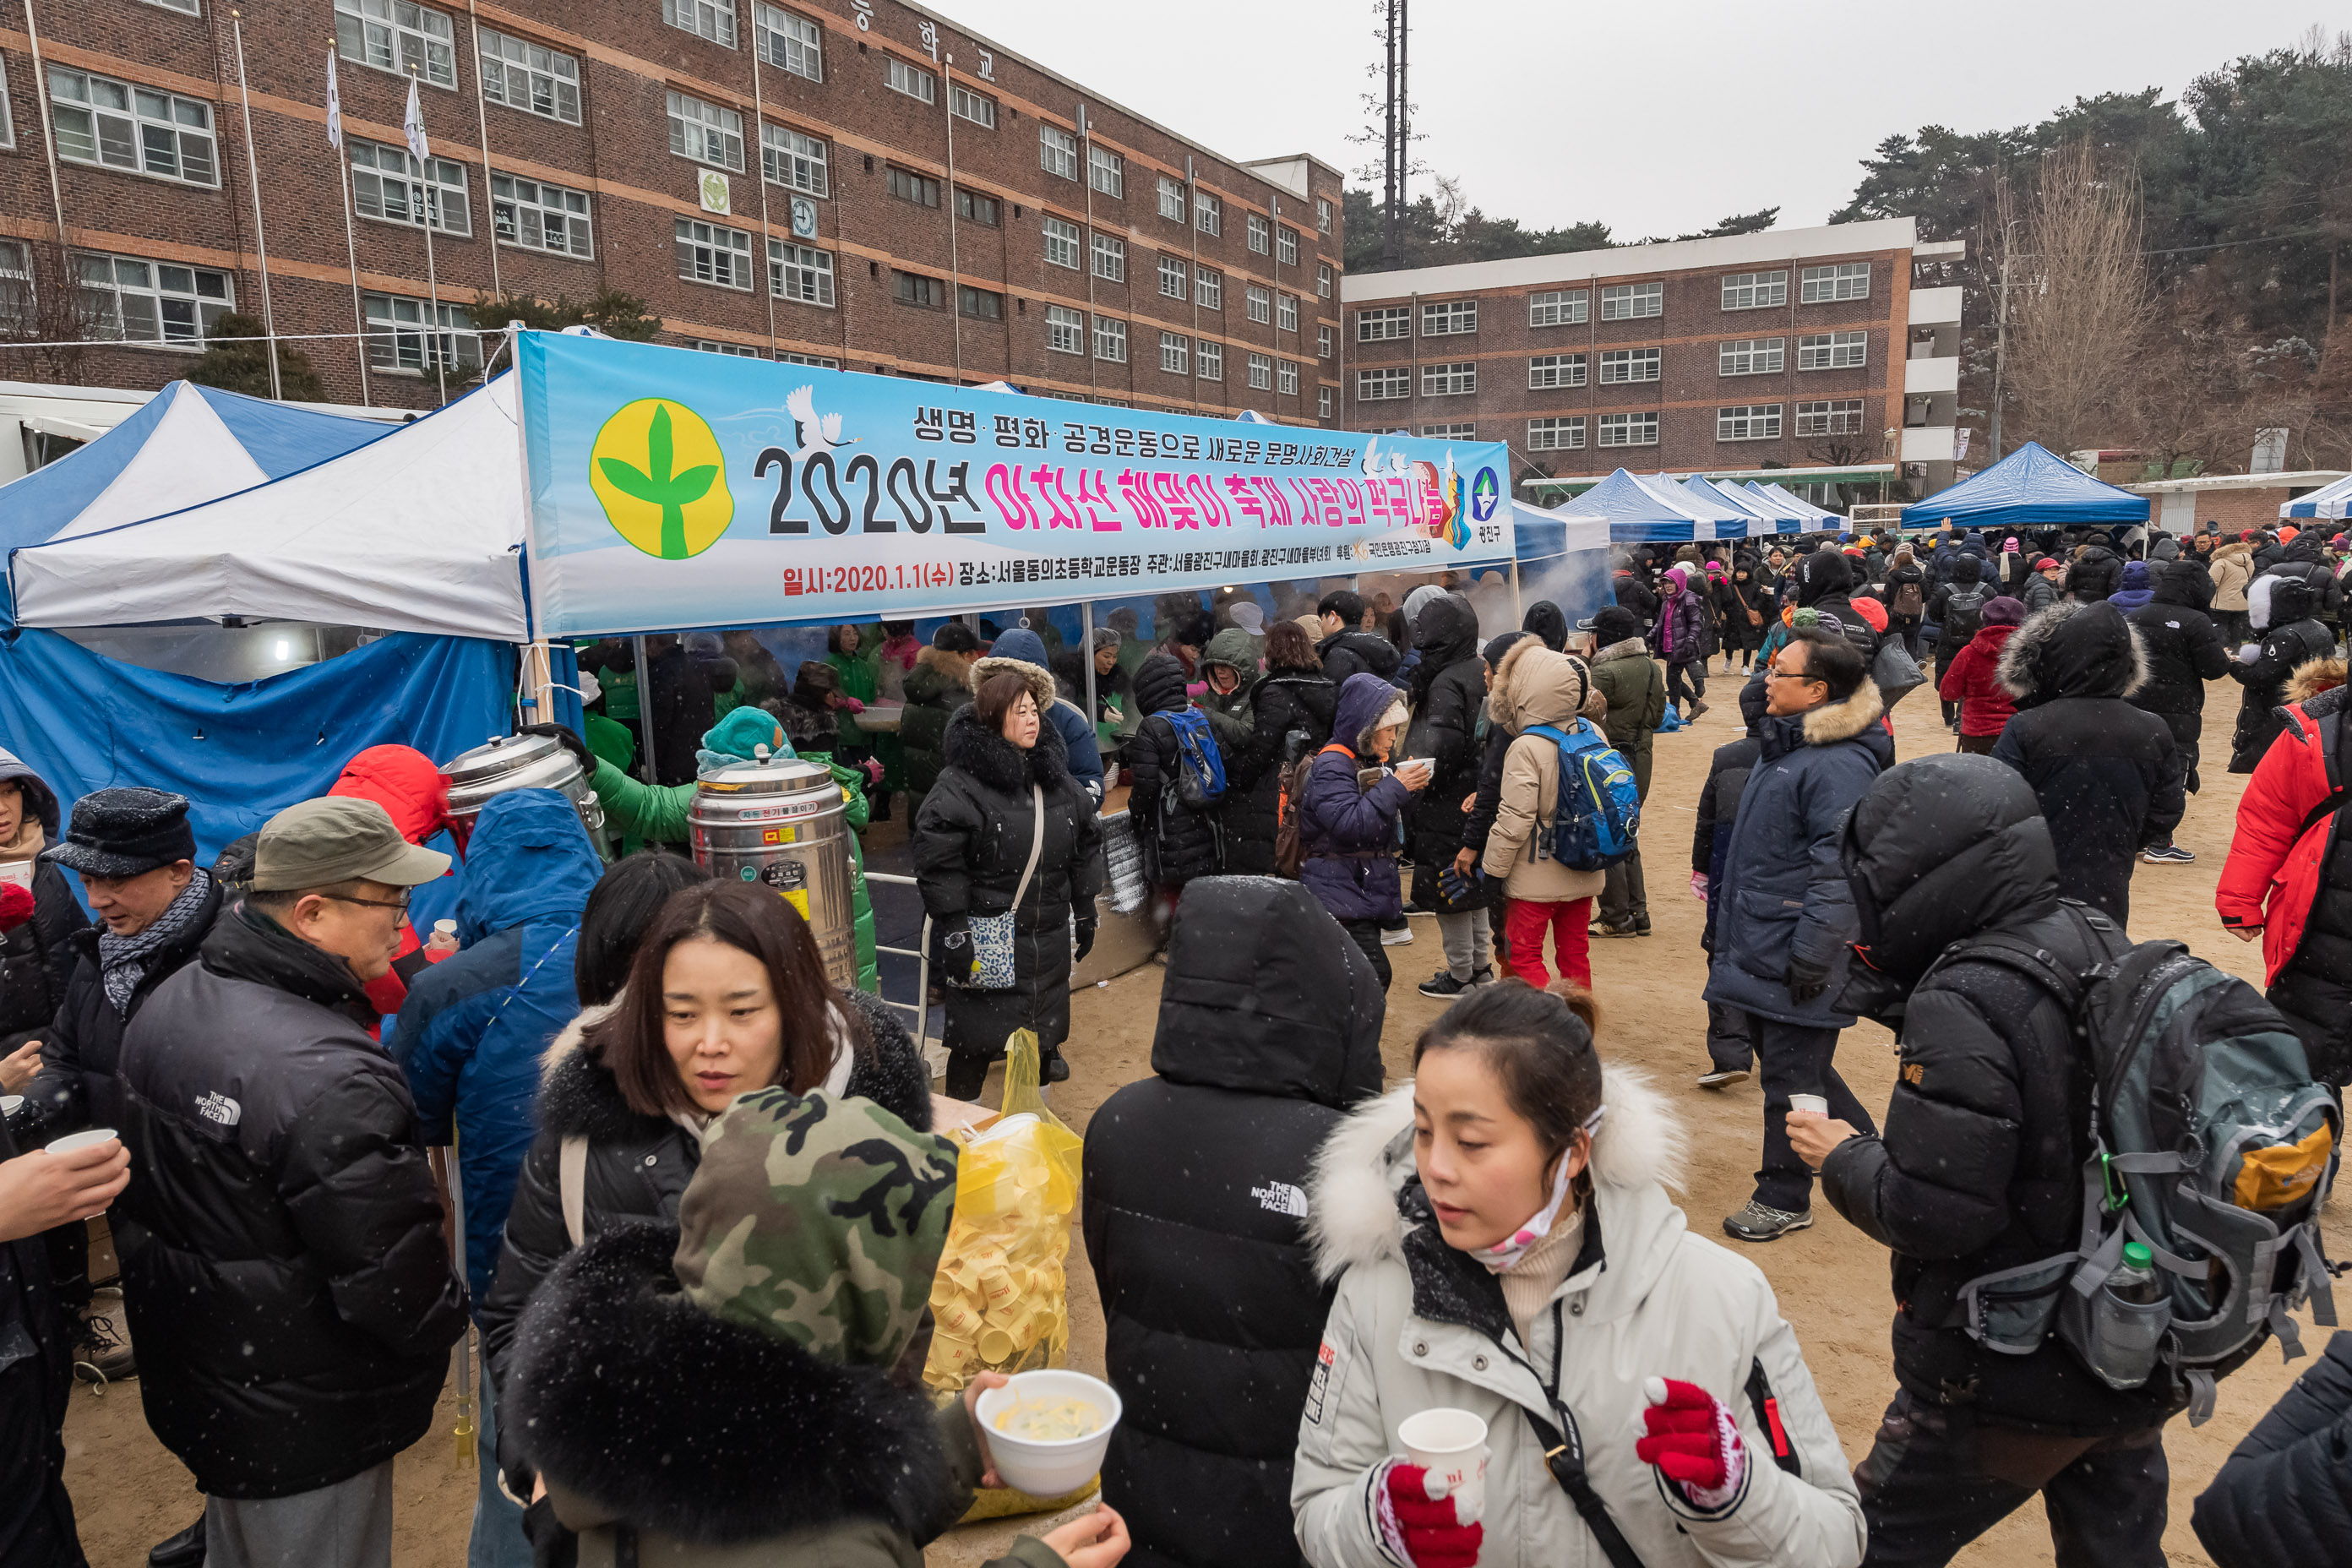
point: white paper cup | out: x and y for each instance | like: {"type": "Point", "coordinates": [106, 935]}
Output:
{"type": "Point", "coordinates": [8, 1104]}
{"type": "Point", "coordinates": [1451, 1444]}
{"type": "Point", "coordinates": [82, 1140]}
{"type": "Point", "coordinates": [1817, 1104]}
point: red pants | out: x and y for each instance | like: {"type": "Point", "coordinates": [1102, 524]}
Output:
{"type": "Point", "coordinates": [1572, 942]}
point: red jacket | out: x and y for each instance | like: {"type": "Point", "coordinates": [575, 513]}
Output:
{"type": "Point", "coordinates": [404, 782]}
{"type": "Point", "coordinates": [2276, 862]}
{"type": "Point", "coordinates": [1969, 680]}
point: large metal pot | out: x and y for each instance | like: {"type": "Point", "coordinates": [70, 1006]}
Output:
{"type": "Point", "coordinates": [782, 824]}
{"type": "Point", "coordinates": [520, 762]}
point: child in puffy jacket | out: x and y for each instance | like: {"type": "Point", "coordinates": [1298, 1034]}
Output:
{"type": "Point", "coordinates": [1536, 686]}
{"type": "Point", "coordinates": [1972, 678]}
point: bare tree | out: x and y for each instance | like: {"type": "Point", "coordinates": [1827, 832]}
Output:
{"type": "Point", "coordinates": [2079, 300]}
{"type": "Point", "coordinates": [45, 316]}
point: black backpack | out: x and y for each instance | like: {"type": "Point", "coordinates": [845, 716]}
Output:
{"type": "Point", "coordinates": [1963, 617]}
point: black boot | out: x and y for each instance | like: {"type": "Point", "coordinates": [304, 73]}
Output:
{"type": "Point", "coordinates": [877, 807]}
{"type": "Point", "coordinates": [185, 1550]}
{"type": "Point", "coordinates": [1053, 1069]}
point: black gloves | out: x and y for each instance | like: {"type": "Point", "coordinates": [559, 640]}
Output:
{"type": "Point", "coordinates": [951, 949]}
{"type": "Point", "coordinates": [563, 737]}
{"type": "Point", "coordinates": [1805, 981]}
{"type": "Point", "coordinates": [1085, 941]}
{"type": "Point", "coordinates": [552, 1545]}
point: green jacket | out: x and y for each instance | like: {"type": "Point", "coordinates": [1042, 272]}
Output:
{"type": "Point", "coordinates": [1230, 715]}
{"type": "Point", "coordinates": [1636, 690]}
{"type": "Point", "coordinates": [656, 814]}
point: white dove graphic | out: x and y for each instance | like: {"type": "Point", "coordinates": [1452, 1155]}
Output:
{"type": "Point", "coordinates": [814, 433]}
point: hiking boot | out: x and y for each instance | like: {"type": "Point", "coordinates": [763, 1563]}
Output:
{"type": "Point", "coordinates": [1761, 1222]}
{"type": "Point", "coordinates": [1444, 986]}
{"type": "Point", "coordinates": [185, 1550]}
{"type": "Point", "coordinates": [1698, 710]}
{"type": "Point", "coordinates": [2167, 854]}
{"type": "Point", "coordinates": [1641, 925]}
{"type": "Point", "coordinates": [1400, 937]}
{"type": "Point", "coordinates": [1610, 927]}
{"type": "Point", "coordinates": [1718, 1078]}
{"type": "Point", "coordinates": [101, 1351]}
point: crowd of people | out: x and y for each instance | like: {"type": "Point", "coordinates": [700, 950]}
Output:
{"type": "Point", "coordinates": [690, 1190]}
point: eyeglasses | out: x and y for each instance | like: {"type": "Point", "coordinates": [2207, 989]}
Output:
{"type": "Point", "coordinates": [1791, 675]}
{"type": "Point", "coordinates": [401, 903]}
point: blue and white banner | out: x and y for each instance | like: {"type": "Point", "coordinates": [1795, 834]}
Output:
{"type": "Point", "coordinates": [671, 489]}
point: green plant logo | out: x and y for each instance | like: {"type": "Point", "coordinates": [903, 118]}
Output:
{"type": "Point", "coordinates": [657, 469]}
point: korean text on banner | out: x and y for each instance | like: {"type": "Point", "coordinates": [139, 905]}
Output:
{"type": "Point", "coordinates": [671, 490]}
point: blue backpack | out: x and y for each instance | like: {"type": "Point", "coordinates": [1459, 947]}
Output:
{"type": "Point", "coordinates": [1599, 810]}
{"type": "Point", "coordinates": [1200, 769]}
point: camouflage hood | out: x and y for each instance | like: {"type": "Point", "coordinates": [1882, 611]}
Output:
{"type": "Point", "coordinates": [819, 1221]}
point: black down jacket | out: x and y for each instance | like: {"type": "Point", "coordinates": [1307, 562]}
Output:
{"type": "Point", "coordinates": [2097, 573]}
{"type": "Point", "coordinates": [971, 839]}
{"type": "Point", "coordinates": [2109, 777]}
{"type": "Point", "coordinates": [1356, 652]}
{"type": "Point", "coordinates": [2293, 640]}
{"type": "Point", "coordinates": [37, 959]}
{"type": "Point", "coordinates": [1179, 843]}
{"type": "Point", "coordinates": [1449, 689]}
{"type": "Point", "coordinates": [637, 1168]}
{"type": "Point", "coordinates": [1195, 1217]}
{"type": "Point", "coordinates": [283, 1261]}
{"type": "Point", "coordinates": [2183, 645]}
{"type": "Point", "coordinates": [2284, 1499]}
{"type": "Point", "coordinates": [1979, 1167]}
{"type": "Point", "coordinates": [1287, 701]}
{"type": "Point", "coordinates": [936, 688]}
{"type": "Point", "coordinates": [36, 1521]}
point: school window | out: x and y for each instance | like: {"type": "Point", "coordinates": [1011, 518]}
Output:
{"type": "Point", "coordinates": [909, 186]}
{"type": "Point", "coordinates": [1555, 370]}
{"type": "Point", "coordinates": [540, 216]}
{"type": "Point", "coordinates": [1629, 430]}
{"type": "Point", "coordinates": [1061, 242]}
{"type": "Point", "coordinates": [1261, 373]}
{"type": "Point", "coordinates": [1106, 171]}
{"type": "Point", "coordinates": [819, 362]}
{"type": "Point", "coordinates": [1258, 303]}
{"type": "Point", "coordinates": [966, 104]}
{"type": "Point", "coordinates": [1057, 151]}
{"type": "Point", "coordinates": [1373, 386]}
{"type": "Point", "coordinates": [1628, 364]}
{"type": "Point", "coordinates": [16, 286]}
{"type": "Point", "coordinates": [1841, 280]}
{"type": "Point", "coordinates": [397, 35]}
{"type": "Point", "coordinates": [1323, 341]}
{"type": "Point", "coordinates": [914, 288]}
{"type": "Point", "coordinates": [1751, 356]}
{"type": "Point", "coordinates": [1208, 212]}
{"type": "Point", "coordinates": [713, 253]}
{"type": "Point", "coordinates": [1110, 258]}
{"type": "Point", "coordinates": [1258, 235]}
{"type": "Point", "coordinates": [980, 304]}
{"type": "Point", "coordinates": [1556, 435]}
{"type": "Point", "coordinates": [741, 351]}
{"type": "Point", "coordinates": [190, 6]}
{"type": "Point", "coordinates": [403, 335]}
{"type": "Point", "coordinates": [1285, 312]}
{"type": "Point", "coordinates": [711, 19]}
{"type": "Point", "coordinates": [1172, 275]}
{"type": "Point", "coordinates": [795, 161]}
{"type": "Point", "coordinates": [387, 184]}
{"type": "Point", "coordinates": [1322, 216]}
{"type": "Point", "coordinates": [973, 208]}
{"type": "Point", "coordinates": [1449, 380]}
{"type": "Point", "coordinates": [1556, 308]}
{"type": "Point", "coordinates": [790, 42]}
{"type": "Point", "coordinates": [1286, 377]}
{"type": "Point", "coordinates": [1754, 291]}
{"type": "Point", "coordinates": [1172, 200]}
{"type": "Point", "coordinates": [1323, 279]}
{"type": "Point", "coordinates": [1210, 358]}
{"type": "Point", "coordinates": [1377, 326]}
{"type": "Point", "coordinates": [1323, 403]}
{"type": "Point", "coordinates": [1450, 319]}
{"type": "Point", "coordinates": [1631, 302]}
{"type": "Point", "coordinates": [1833, 351]}
{"type": "Point", "coordinates": [1751, 422]}
{"type": "Point", "coordinates": [7, 115]}
{"type": "Point", "coordinates": [1456, 432]}
{"type": "Point", "coordinates": [704, 132]}
{"type": "Point", "coordinates": [1110, 339]}
{"type": "Point", "coordinates": [1175, 353]}
{"type": "Point", "coordinates": [1830, 416]}
{"type": "Point", "coordinates": [1065, 329]}
{"type": "Point", "coordinates": [1286, 247]}
{"type": "Point", "coordinates": [800, 273]}
{"type": "Point", "coordinates": [99, 121]}
{"type": "Point", "coordinates": [130, 301]}
{"type": "Point", "coordinates": [915, 82]}
{"type": "Point", "coordinates": [1209, 289]}
{"type": "Point", "coordinates": [530, 77]}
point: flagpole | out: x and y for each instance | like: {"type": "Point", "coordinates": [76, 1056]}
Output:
{"type": "Point", "coordinates": [252, 178]}
{"type": "Point", "coordinates": [427, 206]}
{"type": "Point", "coordinates": [351, 245]}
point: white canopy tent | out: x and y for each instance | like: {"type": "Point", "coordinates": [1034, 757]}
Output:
{"type": "Point", "coordinates": [419, 530]}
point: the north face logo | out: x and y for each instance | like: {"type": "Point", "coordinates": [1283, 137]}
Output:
{"type": "Point", "coordinates": [219, 1108]}
{"type": "Point", "coordinates": [1281, 1197]}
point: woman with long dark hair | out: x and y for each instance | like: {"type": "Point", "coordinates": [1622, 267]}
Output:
{"type": "Point", "coordinates": [1293, 698]}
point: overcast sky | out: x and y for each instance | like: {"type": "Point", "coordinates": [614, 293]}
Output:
{"type": "Point", "coordinates": [1658, 117]}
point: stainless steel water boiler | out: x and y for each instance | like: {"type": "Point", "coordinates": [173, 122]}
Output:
{"type": "Point", "coordinates": [521, 761]}
{"type": "Point", "coordinates": [782, 824]}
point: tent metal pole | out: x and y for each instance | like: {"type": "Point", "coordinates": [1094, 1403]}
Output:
{"type": "Point", "coordinates": [1087, 638]}
{"type": "Point", "coordinates": [645, 706]}
{"type": "Point", "coordinates": [1517, 615]}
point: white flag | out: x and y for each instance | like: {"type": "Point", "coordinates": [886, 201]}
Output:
{"type": "Point", "coordinates": [334, 105]}
{"type": "Point", "coordinates": [411, 126]}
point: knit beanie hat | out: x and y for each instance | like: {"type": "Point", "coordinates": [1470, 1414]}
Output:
{"type": "Point", "coordinates": [2002, 611]}
{"type": "Point", "coordinates": [1614, 623]}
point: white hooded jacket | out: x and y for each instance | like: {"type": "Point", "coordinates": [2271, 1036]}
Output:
{"type": "Point", "coordinates": [1416, 1326]}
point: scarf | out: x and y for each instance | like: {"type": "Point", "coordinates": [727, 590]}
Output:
{"type": "Point", "coordinates": [122, 961]}
{"type": "Point", "coordinates": [29, 840]}
{"type": "Point", "coordinates": [1516, 1245]}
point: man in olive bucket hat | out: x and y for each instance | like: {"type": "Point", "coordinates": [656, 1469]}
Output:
{"type": "Point", "coordinates": [745, 1387]}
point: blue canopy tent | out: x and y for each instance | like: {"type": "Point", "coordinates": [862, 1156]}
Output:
{"type": "Point", "coordinates": [1810, 519]}
{"type": "Point", "coordinates": [1770, 518]}
{"type": "Point", "coordinates": [2327, 502]}
{"type": "Point", "coordinates": [1563, 556]}
{"type": "Point", "coordinates": [2031, 488]}
{"type": "Point", "coordinates": [1641, 513]}
{"type": "Point", "coordinates": [1726, 519]}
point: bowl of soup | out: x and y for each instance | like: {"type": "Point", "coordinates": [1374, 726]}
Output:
{"type": "Point", "coordinates": [1047, 1430]}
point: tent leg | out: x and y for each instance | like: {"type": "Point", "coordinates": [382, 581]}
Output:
{"type": "Point", "coordinates": [646, 706]}
{"type": "Point", "coordinates": [1519, 615]}
{"type": "Point", "coordinates": [537, 683]}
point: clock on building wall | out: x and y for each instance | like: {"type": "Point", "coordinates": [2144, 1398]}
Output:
{"type": "Point", "coordinates": [804, 218]}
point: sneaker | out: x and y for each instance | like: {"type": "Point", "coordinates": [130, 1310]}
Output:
{"type": "Point", "coordinates": [1718, 1078]}
{"type": "Point", "coordinates": [1608, 928]}
{"type": "Point", "coordinates": [1444, 986]}
{"type": "Point", "coordinates": [101, 1351]}
{"type": "Point", "coordinates": [1761, 1222]}
{"type": "Point", "coordinates": [1482, 977]}
{"type": "Point", "coordinates": [1400, 937]}
{"type": "Point", "coordinates": [1641, 925]}
{"type": "Point", "coordinates": [2169, 855]}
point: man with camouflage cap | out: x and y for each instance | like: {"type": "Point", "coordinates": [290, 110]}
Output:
{"type": "Point", "coordinates": [745, 1387]}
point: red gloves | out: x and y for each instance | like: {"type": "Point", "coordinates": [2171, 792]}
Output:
{"type": "Point", "coordinates": [17, 906]}
{"type": "Point", "coordinates": [1693, 1440]}
{"type": "Point", "coordinates": [873, 768]}
{"type": "Point", "coordinates": [853, 705]}
{"type": "Point", "coordinates": [1430, 1534]}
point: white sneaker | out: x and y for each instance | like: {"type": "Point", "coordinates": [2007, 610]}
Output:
{"type": "Point", "coordinates": [1400, 937]}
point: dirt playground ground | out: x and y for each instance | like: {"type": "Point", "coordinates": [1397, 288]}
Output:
{"type": "Point", "coordinates": [1832, 1282]}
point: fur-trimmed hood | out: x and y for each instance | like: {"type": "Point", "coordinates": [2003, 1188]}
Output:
{"type": "Point", "coordinates": [1039, 679]}
{"type": "Point", "coordinates": [1630, 647]}
{"type": "Point", "coordinates": [1835, 722]}
{"type": "Point", "coordinates": [1365, 1163]}
{"type": "Point", "coordinates": [2235, 547]}
{"type": "Point", "coordinates": [623, 1392]}
{"type": "Point", "coordinates": [2074, 649]}
{"type": "Point", "coordinates": [1504, 704]}
{"type": "Point", "coordinates": [995, 762]}
{"type": "Point", "coordinates": [2314, 677]}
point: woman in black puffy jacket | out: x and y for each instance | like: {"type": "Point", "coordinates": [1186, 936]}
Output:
{"type": "Point", "coordinates": [1179, 842]}
{"type": "Point", "coordinates": [1449, 690]}
{"type": "Point", "coordinates": [1293, 695]}
{"type": "Point", "coordinates": [2284, 1499]}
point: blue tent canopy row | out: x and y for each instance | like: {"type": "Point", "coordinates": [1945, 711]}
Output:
{"type": "Point", "coordinates": [2031, 488]}
{"type": "Point", "coordinates": [2334, 500]}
